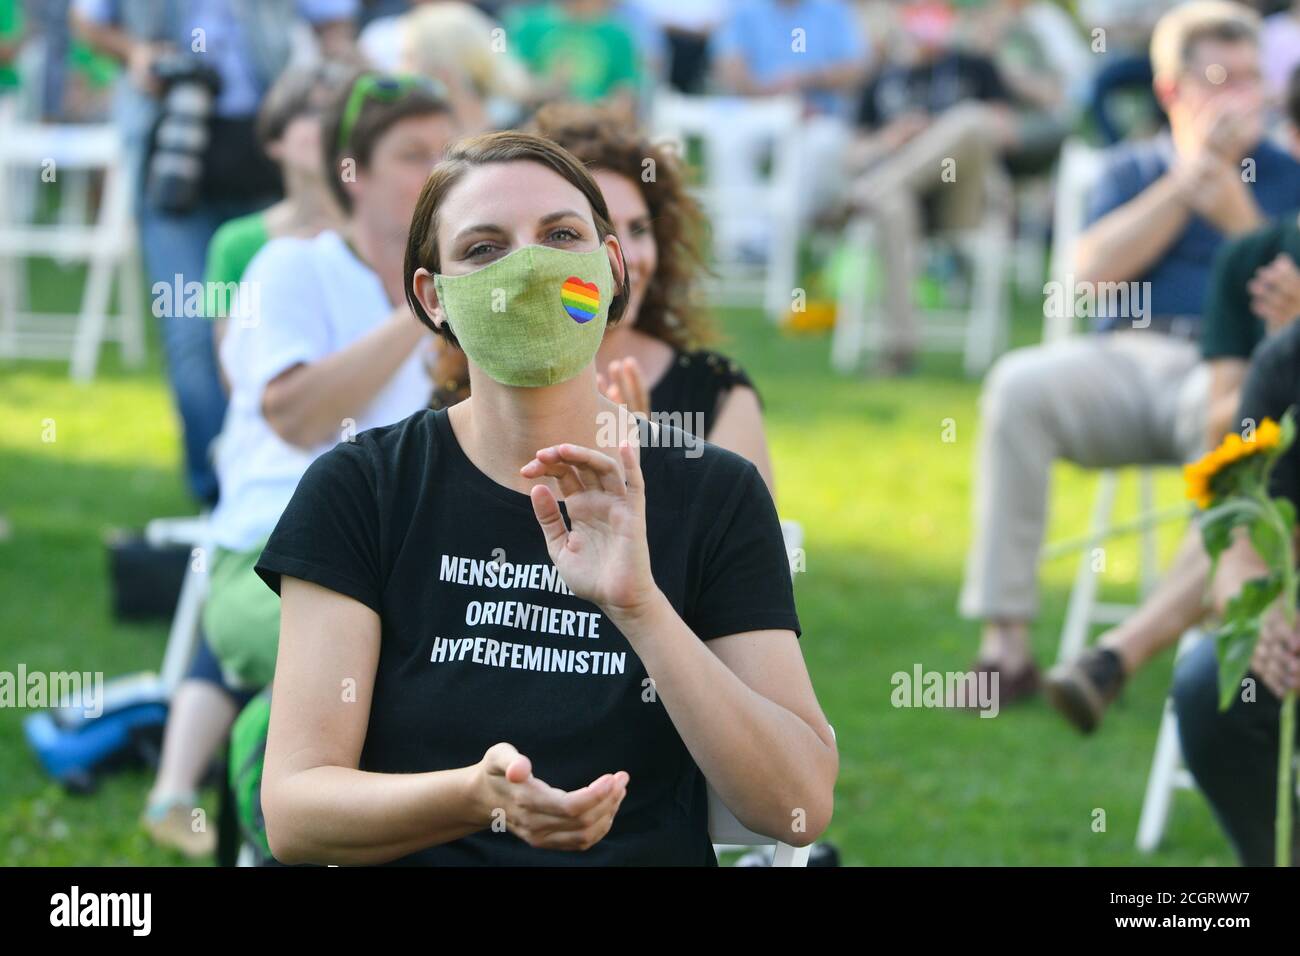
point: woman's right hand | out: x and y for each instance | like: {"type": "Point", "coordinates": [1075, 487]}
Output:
{"type": "Point", "coordinates": [539, 814]}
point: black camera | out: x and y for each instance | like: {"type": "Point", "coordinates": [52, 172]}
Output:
{"type": "Point", "coordinates": [189, 90]}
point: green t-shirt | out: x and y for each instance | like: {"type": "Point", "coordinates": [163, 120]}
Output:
{"type": "Point", "coordinates": [11, 28]}
{"type": "Point", "coordinates": [596, 54]}
{"type": "Point", "coordinates": [231, 250]}
{"type": "Point", "coordinates": [1229, 328]}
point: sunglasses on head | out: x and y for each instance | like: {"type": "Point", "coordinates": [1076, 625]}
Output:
{"type": "Point", "coordinates": [382, 88]}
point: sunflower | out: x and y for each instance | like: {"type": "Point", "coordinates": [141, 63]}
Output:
{"type": "Point", "coordinates": [1199, 475]}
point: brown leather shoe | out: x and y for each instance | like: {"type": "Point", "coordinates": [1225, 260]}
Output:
{"type": "Point", "coordinates": [1022, 685]}
{"type": "Point", "coordinates": [1083, 688]}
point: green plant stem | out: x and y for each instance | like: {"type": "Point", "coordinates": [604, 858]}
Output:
{"type": "Point", "coordinates": [1286, 721]}
{"type": "Point", "coordinates": [1286, 754]}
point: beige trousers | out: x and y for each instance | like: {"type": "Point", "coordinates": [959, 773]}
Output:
{"type": "Point", "coordinates": [954, 160]}
{"type": "Point", "coordinates": [1100, 401]}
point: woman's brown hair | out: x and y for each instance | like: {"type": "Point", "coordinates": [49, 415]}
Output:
{"type": "Point", "coordinates": [506, 146]}
{"type": "Point", "coordinates": [603, 139]}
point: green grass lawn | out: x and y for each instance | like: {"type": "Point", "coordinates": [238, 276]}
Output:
{"type": "Point", "coordinates": [884, 502]}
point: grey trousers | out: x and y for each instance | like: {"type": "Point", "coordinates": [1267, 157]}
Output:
{"type": "Point", "coordinates": [1100, 401]}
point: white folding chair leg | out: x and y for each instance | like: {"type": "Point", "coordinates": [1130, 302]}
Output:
{"type": "Point", "coordinates": [130, 322]}
{"type": "Point", "coordinates": [1083, 596]}
{"type": "Point", "coordinates": [787, 855]}
{"type": "Point", "coordinates": [849, 339]}
{"type": "Point", "coordinates": [986, 327]}
{"type": "Point", "coordinates": [1167, 770]}
{"type": "Point", "coordinates": [183, 639]}
{"type": "Point", "coordinates": [1161, 783]}
{"type": "Point", "coordinates": [1148, 569]}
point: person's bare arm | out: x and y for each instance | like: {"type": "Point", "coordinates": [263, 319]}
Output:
{"type": "Point", "coordinates": [742, 703]}
{"type": "Point", "coordinates": [1128, 240]}
{"type": "Point", "coordinates": [739, 428]}
{"type": "Point", "coordinates": [842, 76]}
{"type": "Point", "coordinates": [1237, 565]}
{"type": "Point", "coordinates": [306, 404]}
{"type": "Point", "coordinates": [1226, 376]}
{"type": "Point", "coordinates": [320, 808]}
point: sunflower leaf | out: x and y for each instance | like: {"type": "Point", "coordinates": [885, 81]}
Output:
{"type": "Point", "coordinates": [1234, 642]}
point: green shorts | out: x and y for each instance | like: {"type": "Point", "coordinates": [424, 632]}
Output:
{"type": "Point", "coordinates": [241, 619]}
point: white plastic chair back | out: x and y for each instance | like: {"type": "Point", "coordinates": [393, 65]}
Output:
{"type": "Point", "coordinates": [733, 132]}
{"type": "Point", "coordinates": [1077, 170]}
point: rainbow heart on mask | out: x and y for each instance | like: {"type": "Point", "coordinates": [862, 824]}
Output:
{"type": "Point", "coordinates": [580, 299]}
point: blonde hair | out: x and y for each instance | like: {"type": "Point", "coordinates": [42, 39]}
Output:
{"type": "Point", "coordinates": [1188, 24]}
{"type": "Point", "coordinates": [458, 36]}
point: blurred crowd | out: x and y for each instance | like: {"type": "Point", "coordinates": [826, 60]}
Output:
{"type": "Point", "coordinates": [281, 144]}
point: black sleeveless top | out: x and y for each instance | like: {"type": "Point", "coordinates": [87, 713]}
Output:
{"type": "Point", "coordinates": [689, 394]}
{"type": "Point", "coordinates": [694, 386]}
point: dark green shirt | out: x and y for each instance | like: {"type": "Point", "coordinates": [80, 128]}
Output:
{"type": "Point", "coordinates": [1230, 329]}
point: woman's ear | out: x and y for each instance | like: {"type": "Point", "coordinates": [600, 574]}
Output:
{"type": "Point", "coordinates": [616, 262]}
{"type": "Point", "coordinates": [427, 295]}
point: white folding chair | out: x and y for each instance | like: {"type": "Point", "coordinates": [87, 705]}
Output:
{"type": "Point", "coordinates": [107, 243]}
{"type": "Point", "coordinates": [732, 134]}
{"type": "Point", "coordinates": [183, 639]}
{"type": "Point", "coordinates": [979, 330]}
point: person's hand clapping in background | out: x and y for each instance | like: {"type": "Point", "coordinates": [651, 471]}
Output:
{"type": "Point", "coordinates": [1275, 293]}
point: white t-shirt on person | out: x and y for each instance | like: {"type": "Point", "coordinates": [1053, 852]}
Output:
{"type": "Point", "coordinates": [310, 299]}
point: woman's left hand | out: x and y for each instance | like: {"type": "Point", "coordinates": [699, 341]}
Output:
{"type": "Point", "coordinates": [604, 557]}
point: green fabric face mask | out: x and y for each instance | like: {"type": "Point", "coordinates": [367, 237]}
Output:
{"type": "Point", "coordinates": [534, 317]}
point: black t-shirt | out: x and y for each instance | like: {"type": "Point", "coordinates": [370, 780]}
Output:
{"type": "Point", "coordinates": [693, 388]}
{"type": "Point", "coordinates": [1272, 386]}
{"type": "Point", "coordinates": [1229, 328]}
{"type": "Point", "coordinates": [482, 643]}
{"type": "Point", "coordinates": [930, 88]}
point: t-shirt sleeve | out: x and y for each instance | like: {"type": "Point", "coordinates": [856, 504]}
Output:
{"type": "Point", "coordinates": [1118, 183]}
{"type": "Point", "coordinates": [1230, 329]}
{"type": "Point", "coordinates": [1270, 389]}
{"type": "Point", "coordinates": [285, 324]}
{"type": "Point", "coordinates": [221, 269]}
{"type": "Point", "coordinates": [329, 533]}
{"type": "Point", "coordinates": [745, 581]}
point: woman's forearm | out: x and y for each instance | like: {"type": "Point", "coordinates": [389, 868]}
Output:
{"type": "Point", "coordinates": [770, 768]}
{"type": "Point", "coordinates": [308, 406]}
{"type": "Point", "coordinates": [354, 817]}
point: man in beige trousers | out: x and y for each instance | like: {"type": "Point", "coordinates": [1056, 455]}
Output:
{"type": "Point", "coordinates": [1134, 391]}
